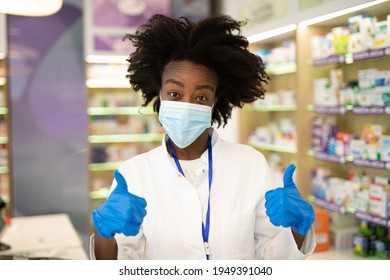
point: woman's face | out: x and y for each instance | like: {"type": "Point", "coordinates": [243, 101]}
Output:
{"type": "Point", "coordinates": [186, 81]}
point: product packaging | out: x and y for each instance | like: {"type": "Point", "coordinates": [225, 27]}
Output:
{"type": "Point", "coordinates": [364, 97]}
{"type": "Point", "coordinates": [360, 200]}
{"type": "Point", "coordinates": [385, 148]}
{"type": "Point", "coordinates": [372, 134]}
{"type": "Point", "coordinates": [382, 88]}
{"type": "Point", "coordinates": [342, 237]}
{"type": "Point", "coordinates": [380, 37]}
{"type": "Point", "coordinates": [340, 40]}
{"type": "Point", "coordinates": [388, 29]}
{"type": "Point", "coordinates": [321, 46]}
{"type": "Point", "coordinates": [355, 43]}
{"type": "Point", "coordinates": [321, 229]}
{"type": "Point", "coordinates": [368, 32]}
{"type": "Point", "coordinates": [364, 26]}
{"type": "Point", "coordinates": [388, 205]}
{"type": "Point", "coordinates": [380, 248]}
{"type": "Point", "coordinates": [357, 148]}
{"type": "Point", "coordinates": [366, 78]}
{"type": "Point", "coordinates": [321, 91]}
{"type": "Point", "coordinates": [377, 203]}
{"type": "Point", "coordinates": [348, 93]}
{"type": "Point", "coordinates": [361, 245]}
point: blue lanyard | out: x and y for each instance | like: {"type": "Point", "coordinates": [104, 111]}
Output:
{"type": "Point", "coordinates": [205, 228]}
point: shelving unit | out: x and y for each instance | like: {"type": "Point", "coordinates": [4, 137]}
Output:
{"type": "Point", "coordinates": [351, 118]}
{"type": "Point", "coordinates": [260, 120]}
{"type": "Point", "coordinates": [308, 70]}
{"type": "Point", "coordinates": [343, 209]}
{"type": "Point", "coordinates": [119, 127]}
{"type": "Point", "coordinates": [5, 178]}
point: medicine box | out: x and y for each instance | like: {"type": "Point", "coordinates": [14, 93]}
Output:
{"type": "Point", "coordinates": [321, 230]}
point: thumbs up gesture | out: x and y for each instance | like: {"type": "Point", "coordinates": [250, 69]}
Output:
{"type": "Point", "coordinates": [122, 212]}
{"type": "Point", "coordinates": [286, 207]}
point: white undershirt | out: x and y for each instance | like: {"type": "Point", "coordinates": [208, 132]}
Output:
{"type": "Point", "coordinates": [195, 171]}
{"type": "Point", "coordinates": [191, 168]}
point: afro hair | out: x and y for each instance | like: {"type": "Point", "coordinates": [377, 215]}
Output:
{"type": "Point", "coordinates": [215, 42]}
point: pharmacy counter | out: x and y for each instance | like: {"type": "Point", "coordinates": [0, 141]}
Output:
{"type": "Point", "coordinates": [43, 236]}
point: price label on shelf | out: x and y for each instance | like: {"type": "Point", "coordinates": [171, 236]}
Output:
{"type": "Point", "coordinates": [330, 110]}
{"type": "Point", "coordinates": [331, 158]}
{"type": "Point", "coordinates": [371, 110]}
{"type": "Point", "coordinates": [377, 164]}
{"type": "Point", "coordinates": [381, 221]}
{"type": "Point", "coordinates": [330, 206]}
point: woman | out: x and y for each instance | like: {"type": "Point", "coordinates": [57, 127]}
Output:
{"type": "Point", "coordinates": [198, 196]}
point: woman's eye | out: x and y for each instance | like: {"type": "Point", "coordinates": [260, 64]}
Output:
{"type": "Point", "coordinates": [202, 98]}
{"type": "Point", "coordinates": [173, 94]}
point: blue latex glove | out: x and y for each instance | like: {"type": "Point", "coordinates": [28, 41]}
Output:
{"type": "Point", "coordinates": [122, 212]}
{"type": "Point", "coordinates": [286, 207]}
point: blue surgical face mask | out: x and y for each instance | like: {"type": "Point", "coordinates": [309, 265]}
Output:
{"type": "Point", "coordinates": [184, 122]}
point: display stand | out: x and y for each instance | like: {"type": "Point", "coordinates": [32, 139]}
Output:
{"type": "Point", "coordinates": [118, 127]}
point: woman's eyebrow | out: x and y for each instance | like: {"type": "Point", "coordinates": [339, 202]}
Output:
{"type": "Point", "coordinates": [181, 84]}
{"type": "Point", "coordinates": [174, 82]}
{"type": "Point", "coordinates": [205, 87]}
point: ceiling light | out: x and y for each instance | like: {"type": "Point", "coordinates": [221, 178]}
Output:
{"type": "Point", "coordinates": [339, 13]}
{"type": "Point", "coordinates": [30, 7]}
{"type": "Point", "coordinates": [271, 33]}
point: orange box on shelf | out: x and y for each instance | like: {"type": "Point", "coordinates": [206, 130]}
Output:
{"type": "Point", "coordinates": [321, 229]}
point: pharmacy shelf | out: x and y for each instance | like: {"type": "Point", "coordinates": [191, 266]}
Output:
{"type": "Point", "coordinates": [105, 166]}
{"type": "Point", "coordinates": [342, 209]}
{"type": "Point", "coordinates": [367, 163]}
{"type": "Point", "coordinates": [107, 83]}
{"type": "Point", "coordinates": [100, 194]}
{"type": "Point", "coordinates": [3, 110]}
{"type": "Point", "coordinates": [352, 57]}
{"type": "Point", "coordinates": [329, 158]}
{"type": "Point", "coordinates": [376, 164]}
{"type": "Point", "coordinates": [357, 110]}
{"type": "Point", "coordinates": [274, 148]}
{"type": "Point", "coordinates": [271, 108]}
{"type": "Point", "coordinates": [6, 199]}
{"type": "Point", "coordinates": [332, 207]}
{"type": "Point", "coordinates": [112, 98]}
{"type": "Point", "coordinates": [371, 110]}
{"type": "Point", "coordinates": [110, 111]}
{"type": "Point", "coordinates": [125, 138]}
{"type": "Point", "coordinates": [334, 110]}
{"type": "Point", "coordinates": [3, 139]}
{"type": "Point", "coordinates": [281, 68]}
{"type": "Point", "coordinates": [4, 170]}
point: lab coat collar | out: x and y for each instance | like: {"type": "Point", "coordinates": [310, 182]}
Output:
{"type": "Point", "coordinates": [204, 157]}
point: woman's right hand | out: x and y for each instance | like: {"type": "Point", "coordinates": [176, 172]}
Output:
{"type": "Point", "coordinates": [122, 212]}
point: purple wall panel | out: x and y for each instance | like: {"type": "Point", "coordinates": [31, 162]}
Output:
{"type": "Point", "coordinates": [48, 115]}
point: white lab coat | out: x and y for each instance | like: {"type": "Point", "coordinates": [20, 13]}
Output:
{"type": "Point", "coordinates": [239, 227]}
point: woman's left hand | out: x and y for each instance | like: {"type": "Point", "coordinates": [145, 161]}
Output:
{"type": "Point", "coordinates": [286, 206]}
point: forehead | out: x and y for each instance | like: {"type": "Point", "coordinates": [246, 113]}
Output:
{"type": "Point", "coordinates": [189, 70]}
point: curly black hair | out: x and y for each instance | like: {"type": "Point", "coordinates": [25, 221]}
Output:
{"type": "Point", "coordinates": [215, 42]}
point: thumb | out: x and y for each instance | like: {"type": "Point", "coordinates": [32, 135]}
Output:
{"type": "Point", "coordinates": [288, 176]}
{"type": "Point", "coordinates": [121, 182]}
